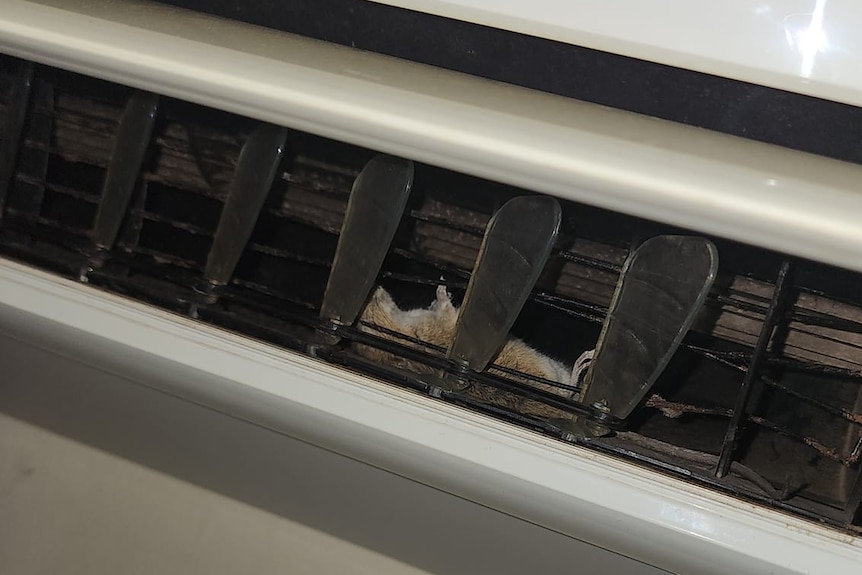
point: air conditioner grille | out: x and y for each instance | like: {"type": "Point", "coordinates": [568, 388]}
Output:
{"type": "Point", "coordinates": [799, 440]}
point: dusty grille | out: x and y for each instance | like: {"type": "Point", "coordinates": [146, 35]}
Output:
{"type": "Point", "coordinates": [762, 399]}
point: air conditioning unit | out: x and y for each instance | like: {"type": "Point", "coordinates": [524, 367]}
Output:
{"type": "Point", "coordinates": [584, 269]}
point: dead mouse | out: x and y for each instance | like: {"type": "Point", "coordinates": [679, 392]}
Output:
{"type": "Point", "coordinates": [436, 325]}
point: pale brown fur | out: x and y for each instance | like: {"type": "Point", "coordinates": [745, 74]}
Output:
{"type": "Point", "coordinates": [436, 325]}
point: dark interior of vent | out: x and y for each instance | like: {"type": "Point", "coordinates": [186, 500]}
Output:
{"type": "Point", "coordinates": [798, 441]}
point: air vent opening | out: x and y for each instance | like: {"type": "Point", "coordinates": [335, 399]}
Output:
{"type": "Point", "coordinates": [798, 442]}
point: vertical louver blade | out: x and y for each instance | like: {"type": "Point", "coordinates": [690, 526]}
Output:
{"type": "Point", "coordinates": [40, 133]}
{"type": "Point", "coordinates": [255, 171]}
{"type": "Point", "coordinates": [663, 285]}
{"type": "Point", "coordinates": [374, 210]}
{"type": "Point", "coordinates": [517, 243]}
{"type": "Point", "coordinates": [13, 126]}
{"type": "Point", "coordinates": [130, 147]}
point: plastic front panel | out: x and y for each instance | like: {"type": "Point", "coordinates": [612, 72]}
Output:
{"type": "Point", "coordinates": [806, 46]}
{"type": "Point", "coordinates": [100, 475]}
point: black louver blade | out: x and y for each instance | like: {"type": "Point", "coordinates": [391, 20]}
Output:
{"type": "Point", "coordinates": [768, 409]}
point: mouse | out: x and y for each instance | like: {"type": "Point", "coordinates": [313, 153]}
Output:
{"type": "Point", "coordinates": [435, 325]}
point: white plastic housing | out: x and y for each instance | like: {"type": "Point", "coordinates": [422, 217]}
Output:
{"type": "Point", "coordinates": [751, 192]}
{"type": "Point", "coordinates": [807, 46]}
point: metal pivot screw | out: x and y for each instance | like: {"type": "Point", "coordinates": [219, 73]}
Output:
{"type": "Point", "coordinates": [598, 429]}
{"type": "Point", "coordinates": [580, 427]}
{"type": "Point", "coordinates": [442, 381]}
{"type": "Point", "coordinates": [325, 338]}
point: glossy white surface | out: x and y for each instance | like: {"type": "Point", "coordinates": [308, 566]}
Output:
{"type": "Point", "coordinates": [756, 193]}
{"type": "Point", "coordinates": [122, 479]}
{"type": "Point", "coordinates": [808, 46]}
{"type": "Point", "coordinates": [73, 509]}
{"type": "Point", "coordinates": [616, 506]}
